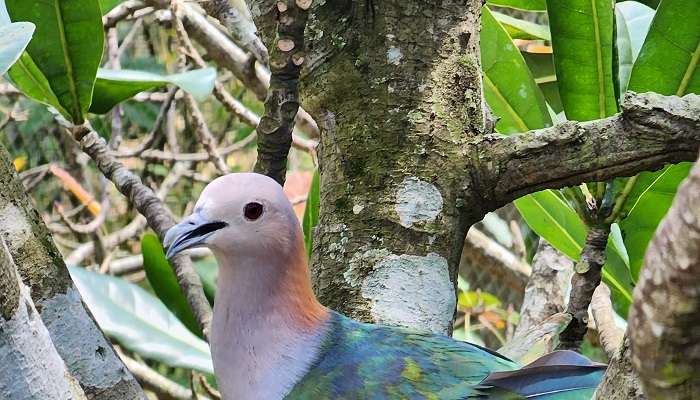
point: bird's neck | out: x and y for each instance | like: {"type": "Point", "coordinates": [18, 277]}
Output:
{"type": "Point", "coordinates": [266, 320]}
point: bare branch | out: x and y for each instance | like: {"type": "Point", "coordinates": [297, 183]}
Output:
{"type": "Point", "coordinates": [235, 16]}
{"type": "Point", "coordinates": [545, 294]}
{"type": "Point", "coordinates": [665, 313]}
{"type": "Point", "coordinates": [121, 12]}
{"type": "Point", "coordinates": [609, 333]}
{"type": "Point", "coordinates": [652, 130]}
{"type": "Point", "coordinates": [155, 212]}
{"type": "Point", "coordinates": [586, 279]}
{"type": "Point", "coordinates": [276, 125]}
{"type": "Point", "coordinates": [155, 382]}
{"type": "Point", "coordinates": [204, 135]}
{"type": "Point", "coordinates": [227, 55]}
{"type": "Point", "coordinates": [621, 381]}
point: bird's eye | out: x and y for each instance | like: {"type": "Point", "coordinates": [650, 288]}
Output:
{"type": "Point", "coordinates": [253, 211]}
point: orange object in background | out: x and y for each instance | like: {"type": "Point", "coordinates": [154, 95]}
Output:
{"type": "Point", "coordinates": [296, 186]}
{"type": "Point", "coordinates": [72, 185]}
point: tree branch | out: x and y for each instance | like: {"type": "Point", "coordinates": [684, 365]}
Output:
{"type": "Point", "coordinates": [155, 212]}
{"type": "Point", "coordinates": [652, 130]}
{"type": "Point", "coordinates": [665, 312]}
{"type": "Point", "coordinates": [586, 279]}
{"type": "Point", "coordinates": [609, 333]}
{"type": "Point", "coordinates": [276, 125]}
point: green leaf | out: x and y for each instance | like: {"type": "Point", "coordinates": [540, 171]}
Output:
{"type": "Point", "coordinates": [313, 203]}
{"type": "Point", "coordinates": [552, 218]}
{"type": "Point", "coordinates": [668, 61]}
{"type": "Point", "coordinates": [637, 18]}
{"type": "Point", "coordinates": [13, 39]}
{"type": "Point", "coordinates": [115, 86]}
{"type": "Point", "coordinates": [582, 37]}
{"type": "Point", "coordinates": [32, 82]}
{"type": "Point", "coordinates": [67, 48]}
{"type": "Point", "coordinates": [208, 271]}
{"type": "Point", "coordinates": [646, 206]}
{"type": "Point", "coordinates": [616, 271]}
{"type": "Point", "coordinates": [632, 20]}
{"type": "Point", "coordinates": [520, 29]}
{"type": "Point", "coordinates": [140, 322]}
{"type": "Point", "coordinates": [164, 282]}
{"type": "Point", "coordinates": [530, 5]}
{"type": "Point", "coordinates": [107, 5]}
{"type": "Point", "coordinates": [509, 88]}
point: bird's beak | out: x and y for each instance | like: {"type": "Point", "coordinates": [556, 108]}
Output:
{"type": "Point", "coordinates": [190, 232]}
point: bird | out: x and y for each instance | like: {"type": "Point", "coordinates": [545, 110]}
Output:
{"type": "Point", "coordinates": [272, 339]}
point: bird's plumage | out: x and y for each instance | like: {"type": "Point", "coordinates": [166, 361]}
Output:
{"type": "Point", "coordinates": [272, 339]}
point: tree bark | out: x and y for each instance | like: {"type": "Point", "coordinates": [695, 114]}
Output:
{"type": "Point", "coordinates": [88, 355]}
{"type": "Point", "coordinates": [621, 381]}
{"type": "Point", "coordinates": [30, 366]}
{"type": "Point", "coordinates": [545, 293]}
{"type": "Point", "coordinates": [407, 163]}
{"type": "Point", "coordinates": [665, 312]}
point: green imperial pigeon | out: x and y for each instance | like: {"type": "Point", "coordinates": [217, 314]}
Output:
{"type": "Point", "coordinates": [272, 339]}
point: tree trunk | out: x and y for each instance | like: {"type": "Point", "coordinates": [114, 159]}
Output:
{"type": "Point", "coordinates": [621, 382]}
{"type": "Point", "coordinates": [396, 89]}
{"type": "Point", "coordinates": [665, 314]}
{"type": "Point", "coordinates": [86, 352]}
{"type": "Point", "coordinates": [30, 366]}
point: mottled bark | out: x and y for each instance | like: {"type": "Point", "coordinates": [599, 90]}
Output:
{"type": "Point", "coordinates": [665, 314]}
{"type": "Point", "coordinates": [405, 164]}
{"type": "Point", "coordinates": [588, 271]}
{"type": "Point", "coordinates": [76, 337]}
{"type": "Point", "coordinates": [30, 366]}
{"type": "Point", "coordinates": [545, 294]}
{"type": "Point", "coordinates": [621, 381]}
{"type": "Point", "coordinates": [286, 58]}
{"type": "Point", "coordinates": [395, 88]}
{"type": "Point", "coordinates": [651, 130]}
{"type": "Point", "coordinates": [609, 334]}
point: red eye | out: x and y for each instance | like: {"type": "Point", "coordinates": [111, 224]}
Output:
{"type": "Point", "coordinates": [253, 211]}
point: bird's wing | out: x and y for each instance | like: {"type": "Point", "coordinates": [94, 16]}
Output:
{"type": "Point", "coordinates": [362, 361]}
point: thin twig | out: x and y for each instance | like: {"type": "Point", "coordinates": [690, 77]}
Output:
{"type": "Point", "coordinates": [121, 12]}
{"type": "Point", "coordinates": [155, 382]}
{"type": "Point", "coordinates": [204, 135]}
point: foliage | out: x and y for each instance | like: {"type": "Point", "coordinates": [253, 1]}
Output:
{"type": "Point", "coordinates": [164, 282]}
{"type": "Point", "coordinates": [310, 220]}
{"type": "Point", "coordinates": [597, 50]}
{"type": "Point", "coordinates": [140, 322]}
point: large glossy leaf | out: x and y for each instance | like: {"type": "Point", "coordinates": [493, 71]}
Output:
{"type": "Point", "coordinates": [313, 203]}
{"type": "Point", "coordinates": [530, 5]}
{"type": "Point", "coordinates": [67, 48]}
{"type": "Point", "coordinates": [521, 29]}
{"type": "Point", "coordinates": [13, 39]}
{"type": "Point", "coordinates": [107, 5]}
{"type": "Point", "coordinates": [164, 282]}
{"type": "Point", "coordinates": [582, 37]}
{"type": "Point", "coordinates": [140, 322]}
{"type": "Point", "coordinates": [553, 219]}
{"type": "Point", "coordinates": [509, 87]}
{"type": "Point", "coordinates": [115, 86]}
{"type": "Point", "coordinates": [637, 18]}
{"type": "Point", "coordinates": [669, 60]}
{"type": "Point", "coordinates": [648, 203]}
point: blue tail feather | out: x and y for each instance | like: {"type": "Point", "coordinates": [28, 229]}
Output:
{"type": "Point", "coordinates": [560, 375]}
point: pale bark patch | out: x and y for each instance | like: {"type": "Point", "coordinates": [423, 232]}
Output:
{"type": "Point", "coordinates": [396, 290]}
{"type": "Point", "coordinates": [417, 201]}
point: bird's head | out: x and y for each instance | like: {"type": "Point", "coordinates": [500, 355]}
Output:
{"type": "Point", "coordinates": [239, 215]}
